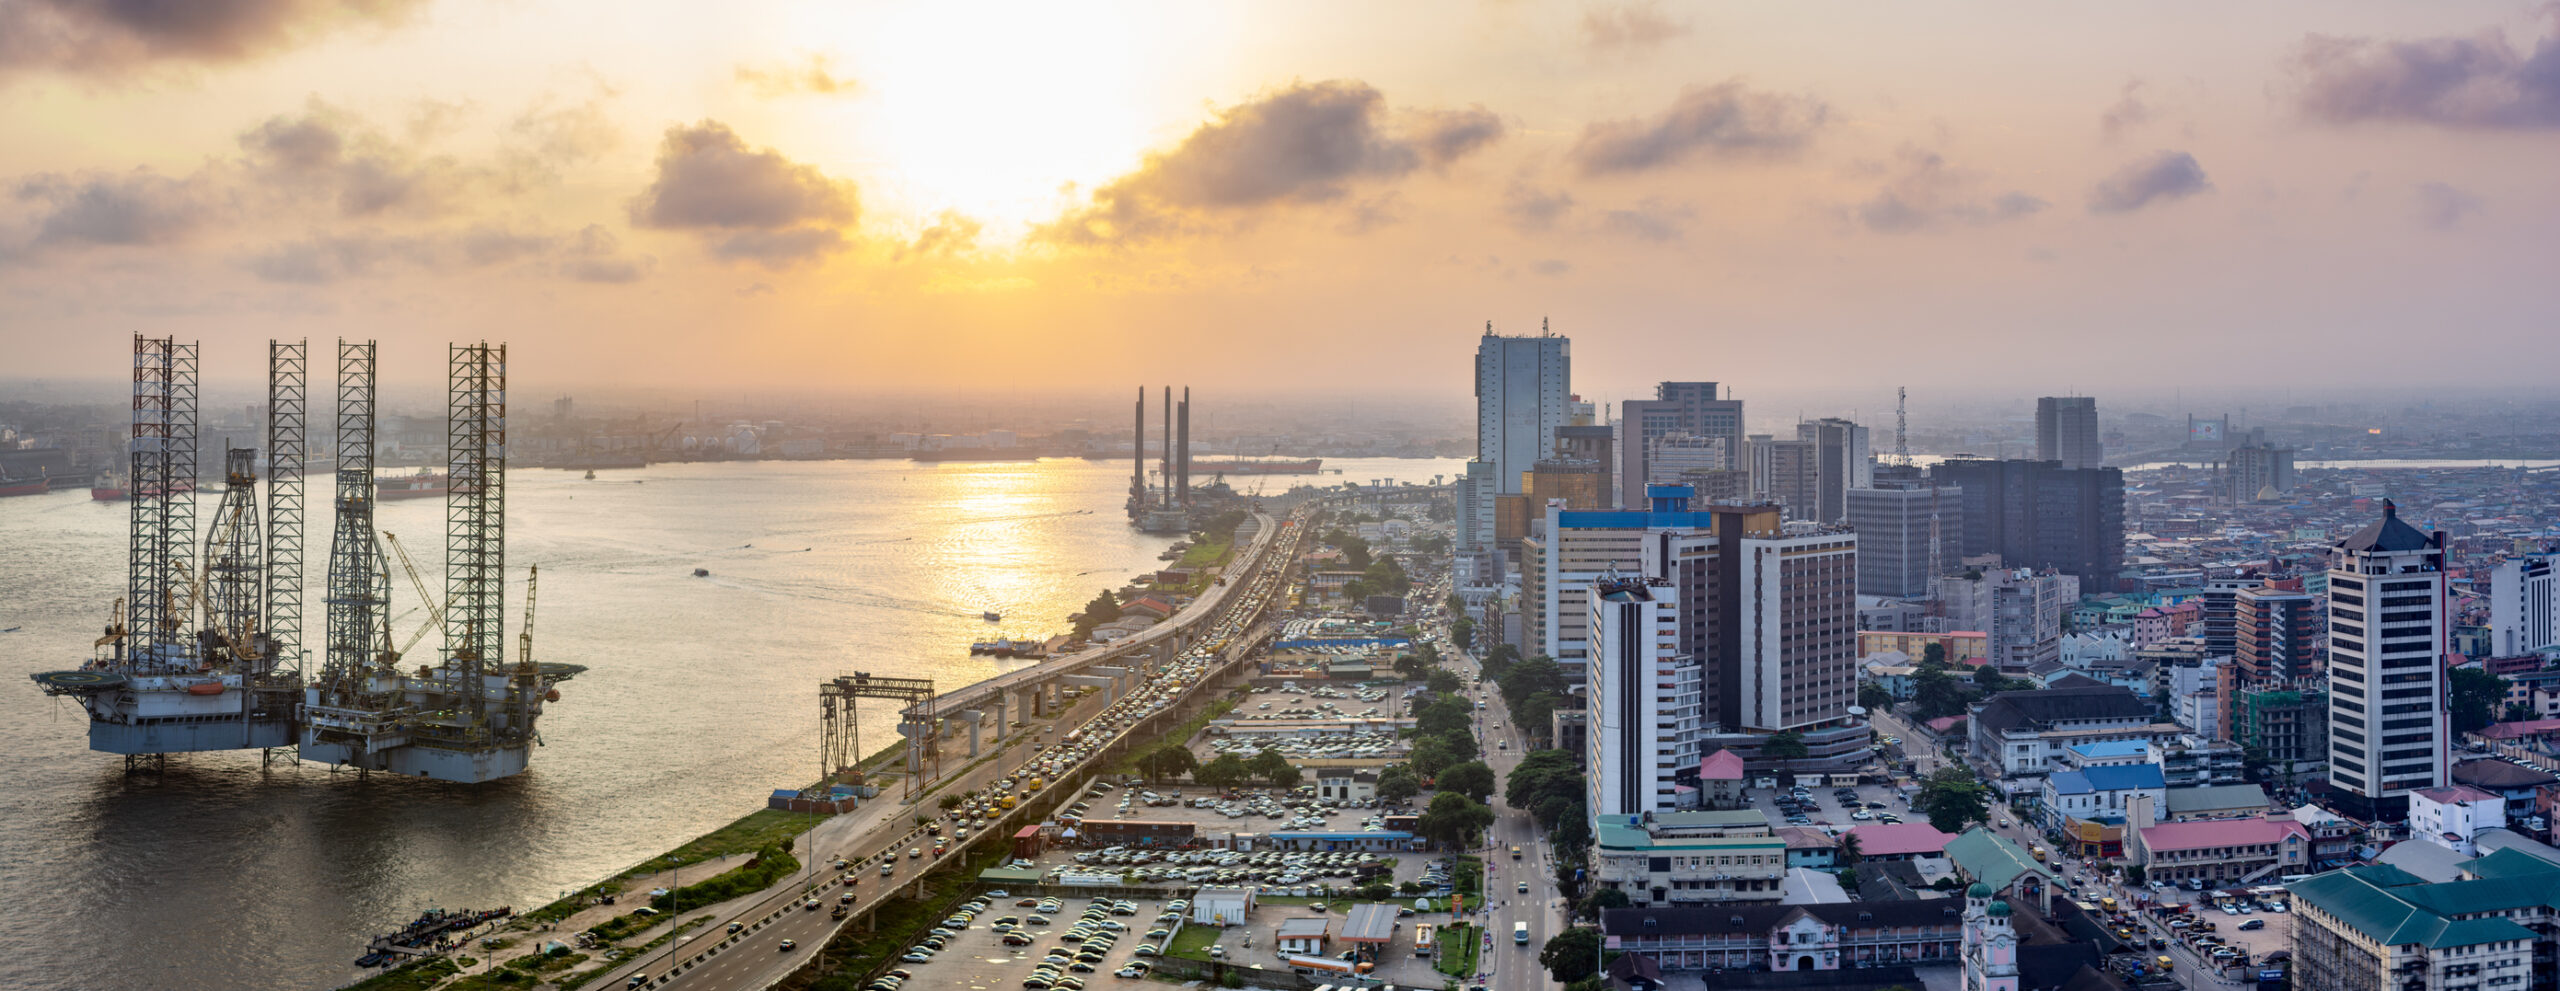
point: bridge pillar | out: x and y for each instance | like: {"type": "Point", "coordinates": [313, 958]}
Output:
{"type": "Point", "coordinates": [1123, 680]}
{"type": "Point", "coordinates": [998, 709]}
{"type": "Point", "coordinates": [919, 736]}
{"type": "Point", "coordinates": [973, 717]}
{"type": "Point", "coordinates": [1109, 684]}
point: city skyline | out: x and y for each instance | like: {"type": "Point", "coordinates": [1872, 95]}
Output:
{"type": "Point", "coordinates": [821, 198]}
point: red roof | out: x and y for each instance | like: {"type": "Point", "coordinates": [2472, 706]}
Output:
{"type": "Point", "coordinates": [2530, 727]}
{"type": "Point", "coordinates": [1723, 765]}
{"type": "Point", "coordinates": [2205, 833]}
{"type": "Point", "coordinates": [1888, 838]}
{"type": "Point", "coordinates": [1943, 723]}
{"type": "Point", "coordinates": [2457, 795]}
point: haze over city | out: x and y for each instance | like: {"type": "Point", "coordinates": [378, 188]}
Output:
{"type": "Point", "coordinates": [878, 196]}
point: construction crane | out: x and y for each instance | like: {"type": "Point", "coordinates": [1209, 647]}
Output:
{"type": "Point", "coordinates": [115, 625]}
{"type": "Point", "coordinates": [524, 637]}
{"type": "Point", "coordinates": [426, 599]}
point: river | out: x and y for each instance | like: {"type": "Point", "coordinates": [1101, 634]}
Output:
{"type": "Point", "coordinates": [700, 699]}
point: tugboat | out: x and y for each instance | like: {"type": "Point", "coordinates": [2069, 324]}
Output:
{"type": "Point", "coordinates": [702, 572]}
{"type": "Point", "coordinates": [992, 616]}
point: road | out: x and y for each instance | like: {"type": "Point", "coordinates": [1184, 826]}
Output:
{"type": "Point", "coordinates": [1511, 967]}
{"type": "Point", "coordinates": [754, 956]}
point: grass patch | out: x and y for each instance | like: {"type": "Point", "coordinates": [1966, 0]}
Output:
{"type": "Point", "coordinates": [1459, 945]}
{"type": "Point", "coordinates": [757, 830]}
{"type": "Point", "coordinates": [1468, 878]}
{"type": "Point", "coordinates": [1193, 942]}
{"type": "Point", "coordinates": [409, 977]}
{"type": "Point", "coordinates": [643, 950]}
{"type": "Point", "coordinates": [770, 867]}
{"type": "Point", "coordinates": [1205, 553]}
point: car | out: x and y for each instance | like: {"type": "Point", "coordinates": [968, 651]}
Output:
{"type": "Point", "coordinates": [636, 980]}
{"type": "Point", "coordinates": [1018, 939]}
{"type": "Point", "coordinates": [1524, 887]}
{"type": "Point", "coordinates": [917, 956]}
{"type": "Point", "coordinates": [1135, 969]}
{"type": "Point", "coordinates": [811, 905]}
{"type": "Point", "coordinates": [1147, 950]}
{"type": "Point", "coordinates": [789, 945]}
{"type": "Point", "coordinates": [915, 852]}
{"type": "Point", "coordinates": [2254, 924]}
{"type": "Point", "coordinates": [735, 926]}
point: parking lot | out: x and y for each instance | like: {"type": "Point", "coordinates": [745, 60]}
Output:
{"type": "Point", "coordinates": [1001, 940]}
{"type": "Point", "coordinates": [1824, 808]}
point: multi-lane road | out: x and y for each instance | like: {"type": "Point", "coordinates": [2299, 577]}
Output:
{"type": "Point", "coordinates": [711, 958]}
{"type": "Point", "coordinates": [1510, 966]}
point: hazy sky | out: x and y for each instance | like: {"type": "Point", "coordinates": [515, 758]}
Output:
{"type": "Point", "coordinates": [1968, 197]}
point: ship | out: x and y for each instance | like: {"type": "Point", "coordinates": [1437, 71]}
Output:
{"type": "Point", "coordinates": [1309, 466]}
{"type": "Point", "coordinates": [25, 486]}
{"type": "Point", "coordinates": [427, 483]}
{"type": "Point", "coordinates": [114, 487]}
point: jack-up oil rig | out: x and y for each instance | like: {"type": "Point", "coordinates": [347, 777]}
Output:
{"type": "Point", "coordinates": [212, 657]}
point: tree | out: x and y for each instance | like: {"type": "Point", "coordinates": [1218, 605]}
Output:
{"type": "Point", "coordinates": [1989, 678]}
{"type": "Point", "coordinates": [1457, 604]}
{"type": "Point", "coordinates": [1397, 783]}
{"type": "Point", "coordinates": [1472, 779]}
{"type": "Point", "coordinates": [1102, 609]}
{"type": "Point", "coordinates": [1572, 832]}
{"type": "Point", "coordinates": [1445, 714]}
{"type": "Point", "coordinates": [1536, 713]}
{"type": "Point", "coordinates": [1572, 955]}
{"type": "Point", "coordinates": [1784, 746]}
{"type": "Point", "coordinates": [1852, 850]}
{"type": "Point", "coordinates": [2518, 712]}
{"type": "Point", "coordinates": [1540, 775]}
{"type": "Point", "coordinates": [1531, 677]}
{"type": "Point", "coordinates": [1170, 760]}
{"type": "Point", "coordinates": [1874, 698]}
{"type": "Point", "coordinates": [1444, 682]}
{"type": "Point", "coordinates": [1228, 771]}
{"type": "Point", "coordinates": [2134, 875]}
{"type": "Point", "coordinates": [2476, 695]}
{"type": "Point", "coordinates": [1432, 755]}
{"type": "Point", "coordinates": [1453, 820]}
{"type": "Point", "coordinates": [1849, 878]}
{"type": "Point", "coordinates": [1273, 766]}
{"type": "Point", "coordinates": [1600, 899]}
{"type": "Point", "coordinates": [1498, 660]}
{"type": "Point", "coordinates": [1935, 653]}
{"type": "Point", "coordinates": [1463, 633]}
{"type": "Point", "coordinates": [1952, 799]}
{"type": "Point", "coordinates": [1935, 693]}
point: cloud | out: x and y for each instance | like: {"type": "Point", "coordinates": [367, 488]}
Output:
{"type": "Point", "coordinates": [1651, 220]}
{"type": "Point", "coordinates": [2127, 112]}
{"type": "Point", "coordinates": [106, 36]}
{"type": "Point", "coordinates": [1303, 145]}
{"type": "Point", "coordinates": [2160, 177]}
{"type": "Point", "coordinates": [328, 151]}
{"type": "Point", "coordinates": [1726, 120]}
{"type": "Point", "coordinates": [751, 205]}
{"type": "Point", "coordinates": [2478, 81]}
{"type": "Point", "coordinates": [1630, 28]}
{"type": "Point", "coordinates": [951, 234]}
{"type": "Point", "coordinates": [328, 259]}
{"type": "Point", "coordinates": [595, 255]}
{"type": "Point", "coordinates": [1444, 136]}
{"type": "Point", "coordinates": [590, 255]}
{"type": "Point", "coordinates": [813, 75]}
{"type": "Point", "coordinates": [1924, 193]}
{"type": "Point", "coordinates": [2442, 207]}
{"type": "Point", "coordinates": [137, 208]}
{"type": "Point", "coordinates": [1531, 209]}
{"type": "Point", "coordinates": [1552, 266]}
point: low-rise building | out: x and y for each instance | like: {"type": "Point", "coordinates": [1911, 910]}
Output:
{"type": "Point", "coordinates": [1791, 937]}
{"type": "Point", "coordinates": [1344, 784]}
{"type": "Point", "coordinates": [1810, 848]}
{"type": "Point", "coordinates": [1690, 858]}
{"type": "Point", "coordinates": [2516, 783]}
{"type": "Point", "coordinates": [1222, 906]}
{"type": "Point", "coordinates": [2098, 794]}
{"type": "Point", "coordinates": [1304, 935]}
{"type": "Point", "coordinates": [2221, 852]}
{"type": "Point", "coordinates": [1720, 780]}
{"type": "Point", "coordinates": [2022, 732]}
{"type": "Point", "coordinates": [2449, 817]}
{"type": "Point", "coordinates": [1886, 842]}
{"type": "Point", "coordinates": [2215, 802]}
{"type": "Point", "coordinates": [2378, 926]}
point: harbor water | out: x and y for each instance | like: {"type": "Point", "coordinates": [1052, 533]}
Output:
{"type": "Point", "coordinates": [699, 700]}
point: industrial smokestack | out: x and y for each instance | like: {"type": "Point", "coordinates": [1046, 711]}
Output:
{"type": "Point", "coordinates": [1138, 457]}
{"type": "Point", "coordinates": [1182, 449]}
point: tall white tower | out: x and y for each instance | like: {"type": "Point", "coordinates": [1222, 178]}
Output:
{"type": "Point", "coordinates": [1990, 945]}
{"type": "Point", "coordinates": [2387, 696]}
{"type": "Point", "coordinates": [1645, 697]}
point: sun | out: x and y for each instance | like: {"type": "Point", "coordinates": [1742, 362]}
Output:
{"type": "Point", "coordinates": [991, 110]}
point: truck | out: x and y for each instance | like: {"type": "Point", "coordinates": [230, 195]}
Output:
{"type": "Point", "coordinates": [1422, 936]}
{"type": "Point", "coordinates": [1520, 933]}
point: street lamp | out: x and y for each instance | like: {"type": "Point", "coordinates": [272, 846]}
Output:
{"type": "Point", "coordinates": [675, 896]}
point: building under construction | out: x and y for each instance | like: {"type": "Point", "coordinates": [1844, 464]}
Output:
{"type": "Point", "coordinates": [210, 655]}
{"type": "Point", "coordinates": [1164, 507]}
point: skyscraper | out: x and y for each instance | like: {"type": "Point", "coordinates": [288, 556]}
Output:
{"type": "Point", "coordinates": [1896, 521]}
{"type": "Point", "coordinates": [1785, 473]}
{"type": "Point", "coordinates": [2387, 719]}
{"type": "Point", "coordinates": [1689, 408]}
{"type": "Point", "coordinates": [2524, 606]}
{"type": "Point", "coordinates": [2273, 632]}
{"type": "Point", "coordinates": [2039, 514]}
{"type": "Point", "coordinates": [1522, 390]}
{"type": "Point", "coordinates": [1645, 697]}
{"type": "Point", "coordinates": [2067, 431]}
{"type": "Point", "coordinates": [1841, 463]}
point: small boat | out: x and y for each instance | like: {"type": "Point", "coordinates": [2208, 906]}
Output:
{"type": "Point", "coordinates": [702, 572]}
{"type": "Point", "coordinates": [591, 474]}
{"type": "Point", "coordinates": [426, 483]}
{"type": "Point", "coordinates": [205, 688]}
{"type": "Point", "coordinates": [373, 959]}
{"type": "Point", "coordinates": [992, 616]}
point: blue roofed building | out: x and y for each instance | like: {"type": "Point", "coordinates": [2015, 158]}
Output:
{"type": "Point", "coordinates": [2088, 806]}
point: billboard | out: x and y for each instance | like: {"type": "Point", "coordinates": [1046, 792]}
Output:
{"type": "Point", "coordinates": [2204, 431]}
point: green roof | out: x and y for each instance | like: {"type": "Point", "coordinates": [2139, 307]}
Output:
{"type": "Point", "coordinates": [2394, 907]}
{"type": "Point", "coordinates": [1614, 837]}
{"type": "Point", "coordinates": [1987, 857]}
{"type": "Point", "coordinates": [2511, 862]}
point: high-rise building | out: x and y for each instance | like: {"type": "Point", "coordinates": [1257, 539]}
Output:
{"type": "Point", "coordinates": [2387, 629]}
{"type": "Point", "coordinates": [2020, 609]}
{"type": "Point", "coordinates": [1770, 616]}
{"type": "Point", "coordinates": [1645, 697]}
{"type": "Point", "coordinates": [1896, 521]}
{"type": "Point", "coordinates": [2259, 472]}
{"type": "Point", "coordinates": [1674, 454]}
{"type": "Point", "coordinates": [1689, 408]}
{"type": "Point", "coordinates": [2039, 514]}
{"type": "Point", "coordinates": [1786, 473]}
{"type": "Point", "coordinates": [1841, 462]}
{"type": "Point", "coordinates": [2524, 606]}
{"type": "Point", "coordinates": [1579, 484]}
{"type": "Point", "coordinates": [2067, 431]}
{"type": "Point", "coordinates": [2221, 601]}
{"type": "Point", "coordinates": [1522, 385]}
{"type": "Point", "coordinates": [2275, 631]}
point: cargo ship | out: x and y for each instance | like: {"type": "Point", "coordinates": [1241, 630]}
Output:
{"type": "Point", "coordinates": [1309, 466]}
{"type": "Point", "coordinates": [25, 486]}
{"type": "Point", "coordinates": [427, 482]}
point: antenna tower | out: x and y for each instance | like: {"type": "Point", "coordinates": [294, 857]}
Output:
{"type": "Point", "coordinates": [1901, 426]}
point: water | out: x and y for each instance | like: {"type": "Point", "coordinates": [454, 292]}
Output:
{"type": "Point", "coordinates": [700, 699]}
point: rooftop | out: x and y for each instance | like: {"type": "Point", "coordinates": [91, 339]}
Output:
{"type": "Point", "coordinates": [1893, 839]}
{"type": "Point", "coordinates": [2206, 834]}
{"type": "Point", "coordinates": [2455, 795]}
{"type": "Point", "coordinates": [1370, 923]}
{"type": "Point", "coordinates": [1305, 927]}
{"type": "Point", "coordinates": [2113, 748]}
{"type": "Point", "coordinates": [2388, 534]}
{"type": "Point", "coordinates": [1991, 859]}
{"type": "Point", "coordinates": [1723, 765]}
{"type": "Point", "coordinates": [2393, 907]}
{"type": "Point", "coordinates": [2212, 797]}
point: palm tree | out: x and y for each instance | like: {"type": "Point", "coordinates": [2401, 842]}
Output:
{"type": "Point", "coordinates": [1850, 851]}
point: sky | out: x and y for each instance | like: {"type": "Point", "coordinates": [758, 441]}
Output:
{"type": "Point", "coordinates": [1970, 198]}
